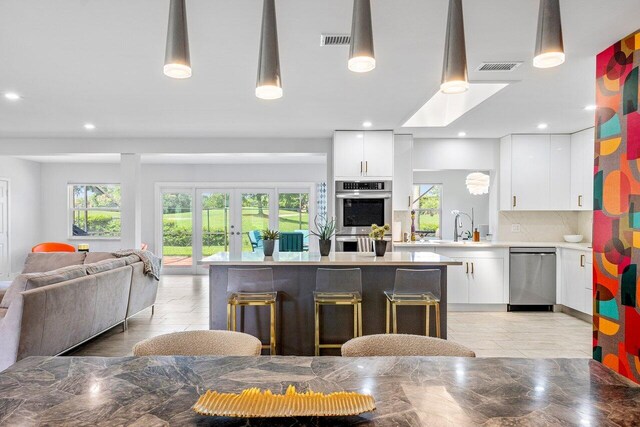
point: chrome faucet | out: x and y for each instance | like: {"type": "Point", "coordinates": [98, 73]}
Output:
{"type": "Point", "coordinates": [457, 222]}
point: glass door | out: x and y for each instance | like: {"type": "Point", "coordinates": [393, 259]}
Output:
{"type": "Point", "coordinates": [215, 222]}
{"type": "Point", "coordinates": [256, 208]}
{"type": "Point", "coordinates": [178, 217]}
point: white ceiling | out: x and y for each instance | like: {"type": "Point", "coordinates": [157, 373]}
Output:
{"type": "Point", "coordinates": [187, 159]}
{"type": "Point", "coordinates": [78, 61]}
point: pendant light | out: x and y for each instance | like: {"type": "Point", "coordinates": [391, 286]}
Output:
{"type": "Point", "coordinates": [454, 69]}
{"type": "Point", "coordinates": [361, 56]}
{"type": "Point", "coordinates": [549, 44]}
{"type": "Point", "coordinates": [269, 85]}
{"type": "Point", "coordinates": [177, 63]}
{"type": "Point", "coordinates": [478, 183]}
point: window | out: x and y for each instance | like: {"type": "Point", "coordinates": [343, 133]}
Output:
{"type": "Point", "coordinates": [428, 209]}
{"type": "Point", "coordinates": [293, 211]}
{"type": "Point", "coordinates": [95, 210]}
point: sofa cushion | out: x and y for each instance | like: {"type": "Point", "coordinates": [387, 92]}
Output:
{"type": "Point", "coordinates": [47, 261]}
{"type": "Point", "coordinates": [105, 265]}
{"type": "Point", "coordinates": [24, 282]}
{"type": "Point", "coordinates": [93, 257]}
{"type": "Point", "coordinates": [131, 259]}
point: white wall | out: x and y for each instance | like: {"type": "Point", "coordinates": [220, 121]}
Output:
{"type": "Point", "coordinates": [24, 207]}
{"type": "Point", "coordinates": [456, 196]}
{"type": "Point", "coordinates": [461, 154]}
{"type": "Point", "coordinates": [56, 177]}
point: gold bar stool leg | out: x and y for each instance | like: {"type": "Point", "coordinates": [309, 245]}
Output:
{"type": "Point", "coordinates": [360, 319]}
{"type": "Point", "coordinates": [234, 314]}
{"type": "Point", "coordinates": [388, 318]}
{"type": "Point", "coordinates": [355, 320]}
{"type": "Point", "coordinates": [395, 317]}
{"type": "Point", "coordinates": [272, 337]}
{"type": "Point", "coordinates": [228, 317]}
{"type": "Point", "coordinates": [428, 320]}
{"type": "Point", "coordinates": [438, 319]}
{"type": "Point", "coordinates": [317, 331]}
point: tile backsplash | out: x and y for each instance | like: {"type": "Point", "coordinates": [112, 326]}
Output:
{"type": "Point", "coordinates": [542, 226]}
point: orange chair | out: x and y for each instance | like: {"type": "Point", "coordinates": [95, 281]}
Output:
{"type": "Point", "coordinates": [53, 247]}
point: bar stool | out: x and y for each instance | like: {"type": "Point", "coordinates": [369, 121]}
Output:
{"type": "Point", "coordinates": [414, 287]}
{"type": "Point", "coordinates": [252, 287]}
{"type": "Point", "coordinates": [338, 287]}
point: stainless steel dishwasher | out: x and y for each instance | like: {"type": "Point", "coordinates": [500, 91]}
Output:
{"type": "Point", "coordinates": [532, 277]}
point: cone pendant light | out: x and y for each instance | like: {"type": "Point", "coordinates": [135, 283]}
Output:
{"type": "Point", "coordinates": [361, 55]}
{"type": "Point", "coordinates": [269, 85]}
{"type": "Point", "coordinates": [454, 69]}
{"type": "Point", "coordinates": [549, 45]}
{"type": "Point", "coordinates": [177, 63]}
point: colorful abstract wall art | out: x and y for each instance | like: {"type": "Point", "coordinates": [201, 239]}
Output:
{"type": "Point", "coordinates": [616, 216]}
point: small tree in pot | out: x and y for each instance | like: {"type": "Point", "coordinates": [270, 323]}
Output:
{"type": "Point", "coordinates": [325, 230]}
{"type": "Point", "coordinates": [377, 234]}
{"type": "Point", "coordinates": [269, 238]}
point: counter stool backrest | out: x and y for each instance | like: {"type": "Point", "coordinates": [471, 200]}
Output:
{"type": "Point", "coordinates": [417, 282]}
{"type": "Point", "coordinates": [339, 280]}
{"type": "Point", "coordinates": [250, 280]}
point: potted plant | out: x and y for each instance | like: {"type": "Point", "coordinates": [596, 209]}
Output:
{"type": "Point", "coordinates": [377, 234]}
{"type": "Point", "coordinates": [325, 230]}
{"type": "Point", "coordinates": [269, 238]}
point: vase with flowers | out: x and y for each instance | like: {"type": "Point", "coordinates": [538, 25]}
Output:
{"type": "Point", "coordinates": [377, 234]}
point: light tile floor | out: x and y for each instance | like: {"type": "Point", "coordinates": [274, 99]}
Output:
{"type": "Point", "coordinates": [182, 304]}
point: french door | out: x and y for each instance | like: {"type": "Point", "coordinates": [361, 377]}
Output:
{"type": "Point", "coordinates": [201, 222]}
{"type": "Point", "coordinates": [5, 267]}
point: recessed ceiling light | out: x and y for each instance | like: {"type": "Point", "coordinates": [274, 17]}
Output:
{"type": "Point", "coordinates": [12, 96]}
{"type": "Point", "coordinates": [462, 134]}
{"type": "Point", "coordinates": [367, 124]}
{"type": "Point", "coordinates": [591, 107]}
{"type": "Point", "coordinates": [89, 126]}
{"type": "Point", "coordinates": [543, 126]}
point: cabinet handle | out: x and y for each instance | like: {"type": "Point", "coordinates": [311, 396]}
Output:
{"type": "Point", "coordinates": [515, 201]}
{"type": "Point", "coordinates": [582, 260]}
{"type": "Point", "coordinates": [366, 167]}
{"type": "Point", "coordinates": [471, 268]}
{"type": "Point", "coordinates": [409, 204]}
{"type": "Point", "coordinates": [580, 201]}
{"type": "Point", "coordinates": [361, 168]}
{"type": "Point", "coordinates": [467, 264]}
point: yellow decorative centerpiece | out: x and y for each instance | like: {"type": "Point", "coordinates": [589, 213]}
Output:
{"type": "Point", "coordinates": [254, 402]}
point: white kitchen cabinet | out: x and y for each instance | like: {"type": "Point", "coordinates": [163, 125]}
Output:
{"type": "Point", "coordinates": [363, 154]}
{"type": "Point", "coordinates": [576, 278]}
{"type": "Point", "coordinates": [535, 172]}
{"type": "Point", "coordinates": [402, 172]}
{"type": "Point", "coordinates": [582, 160]}
{"type": "Point", "coordinates": [482, 278]}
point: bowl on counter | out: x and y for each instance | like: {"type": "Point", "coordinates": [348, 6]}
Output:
{"type": "Point", "coordinates": [573, 238]}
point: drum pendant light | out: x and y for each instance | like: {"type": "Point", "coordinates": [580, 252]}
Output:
{"type": "Point", "coordinates": [177, 63]}
{"type": "Point", "coordinates": [269, 85]}
{"type": "Point", "coordinates": [549, 45]}
{"type": "Point", "coordinates": [361, 56]}
{"type": "Point", "coordinates": [454, 69]}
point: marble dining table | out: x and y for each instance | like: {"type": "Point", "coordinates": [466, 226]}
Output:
{"type": "Point", "coordinates": [408, 391]}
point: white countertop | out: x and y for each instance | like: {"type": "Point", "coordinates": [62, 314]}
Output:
{"type": "Point", "coordinates": [584, 246]}
{"type": "Point", "coordinates": [334, 259]}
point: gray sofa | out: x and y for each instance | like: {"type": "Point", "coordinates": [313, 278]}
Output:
{"type": "Point", "coordinates": [64, 299]}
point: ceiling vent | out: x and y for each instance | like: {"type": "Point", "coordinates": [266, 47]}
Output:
{"type": "Point", "coordinates": [499, 66]}
{"type": "Point", "coordinates": [335, 39]}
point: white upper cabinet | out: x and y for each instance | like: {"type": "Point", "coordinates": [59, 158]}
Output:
{"type": "Point", "coordinates": [535, 172]}
{"type": "Point", "coordinates": [402, 172]}
{"type": "Point", "coordinates": [363, 154]}
{"type": "Point", "coordinates": [582, 158]}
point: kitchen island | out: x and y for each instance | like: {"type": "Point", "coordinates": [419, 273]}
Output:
{"type": "Point", "coordinates": [295, 275]}
{"type": "Point", "coordinates": [408, 391]}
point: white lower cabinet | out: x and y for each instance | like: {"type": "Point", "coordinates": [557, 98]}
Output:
{"type": "Point", "coordinates": [576, 280]}
{"type": "Point", "coordinates": [481, 279]}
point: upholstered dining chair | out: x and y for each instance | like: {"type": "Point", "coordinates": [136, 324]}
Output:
{"type": "Point", "coordinates": [53, 247]}
{"type": "Point", "coordinates": [200, 343]}
{"type": "Point", "coordinates": [403, 345]}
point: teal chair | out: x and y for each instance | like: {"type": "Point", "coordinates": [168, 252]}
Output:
{"type": "Point", "coordinates": [305, 239]}
{"type": "Point", "coordinates": [255, 237]}
{"type": "Point", "coordinates": [291, 242]}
